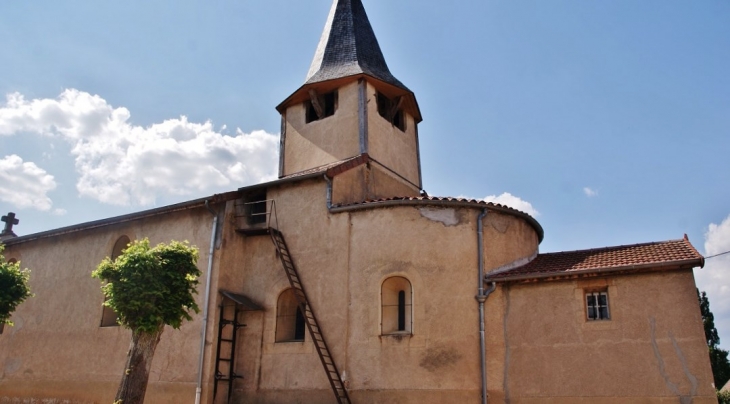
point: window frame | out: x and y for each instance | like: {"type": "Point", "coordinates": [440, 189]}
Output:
{"type": "Point", "coordinates": [593, 311]}
{"type": "Point", "coordinates": [403, 317]}
{"type": "Point", "coordinates": [299, 326]}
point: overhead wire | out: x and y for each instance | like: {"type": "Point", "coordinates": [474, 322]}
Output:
{"type": "Point", "coordinates": [717, 255]}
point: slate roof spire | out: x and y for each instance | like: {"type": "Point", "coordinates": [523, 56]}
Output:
{"type": "Point", "coordinates": [348, 47]}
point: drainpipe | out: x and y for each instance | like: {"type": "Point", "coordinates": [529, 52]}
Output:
{"type": "Point", "coordinates": [329, 192]}
{"type": "Point", "coordinates": [481, 298]}
{"type": "Point", "coordinates": [199, 388]}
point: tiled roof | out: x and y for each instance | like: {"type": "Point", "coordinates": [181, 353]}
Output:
{"type": "Point", "coordinates": [348, 47]}
{"type": "Point", "coordinates": [332, 168]}
{"type": "Point", "coordinates": [446, 201]}
{"type": "Point", "coordinates": [435, 199]}
{"type": "Point", "coordinates": [647, 256]}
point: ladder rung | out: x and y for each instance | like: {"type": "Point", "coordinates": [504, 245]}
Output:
{"type": "Point", "coordinates": [314, 329]}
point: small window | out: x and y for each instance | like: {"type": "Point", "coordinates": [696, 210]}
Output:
{"type": "Point", "coordinates": [392, 111]}
{"type": "Point", "coordinates": [256, 208]}
{"type": "Point", "coordinates": [12, 261]}
{"type": "Point", "coordinates": [597, 306]}
{"type": "Point", "coordinates": [327, 103]}
{"type": "Point", "coordinates": [109, 317]}
{"type": "Point", "coordinates": [396, 308]}
{"type": "Point", "coordinates": [289, 318]}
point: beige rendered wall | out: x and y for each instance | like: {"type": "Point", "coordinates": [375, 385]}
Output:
{"type": "Point", "coordinates": [57, 349]}
{"type": "Point", "coordinates": [388, 145]}
{"type": "Point", "coordinates": [368, 182]}
{"type": "Point", "coordinates": [337, 137]}
{"type": "Point", "coordinates": [541, 348]}
{"type": "Point", "coordinates": [343, 259]}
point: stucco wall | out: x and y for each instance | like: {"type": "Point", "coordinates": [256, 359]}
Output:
{"type": "Point", "coordinates": [542, 349]}
{"type": "Point", "coordinates": [309, 145]}
{"type": "Point", "coordinates": [343, 258]}
{"type": "Point", "coordinates": [389, 145]}
{"type": "Point", "coordinates": [368, 182]}
{"type": "Point", "coordinates": [57, 349]}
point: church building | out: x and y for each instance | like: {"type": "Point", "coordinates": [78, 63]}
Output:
{"type": "Point", "coordinates": [343, 282]}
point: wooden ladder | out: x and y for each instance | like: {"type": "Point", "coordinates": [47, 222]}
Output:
{"type": "Point", "coordinates": [338, 387]}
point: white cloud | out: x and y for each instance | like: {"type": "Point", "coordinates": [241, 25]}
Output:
{"type": "Point", "coordinates": [24, 184]}
{"type": "Point", "coordinates": [121, 163]}
{"type": "Point", "coordinates": [590, 192]}
{"type": "Point", "coordinates": [714, 278]}
{"type": "Point", "coordinates": [512, 201]}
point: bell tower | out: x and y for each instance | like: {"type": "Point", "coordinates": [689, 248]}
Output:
{"type": "Point", "coordinates": [350, 105]}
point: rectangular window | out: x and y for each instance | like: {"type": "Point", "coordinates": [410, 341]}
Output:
{"type": "Point", "coordinates": [327, 104]}
{"type": "Point", "coordinates": [597, 306]}
{"type": "Point", "coordinates": [391, 110]}
{"type": "Point", "coordinates": [257, 207]}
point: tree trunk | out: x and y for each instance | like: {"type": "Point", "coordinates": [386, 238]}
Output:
{"type": "Point", "coordinates": [139, 361]}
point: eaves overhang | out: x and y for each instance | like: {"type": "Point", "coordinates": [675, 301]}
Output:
{"type": "Point", "coordinates": [197, 203]}
{"type": "Point", "coordinates": [598, 272]}
{"type": "Point", "coordinates": [410, 104]}
{"type": "Point", "coordinates": [442, 202]}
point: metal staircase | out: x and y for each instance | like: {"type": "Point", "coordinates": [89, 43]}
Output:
{"type": "Point", "coordinates": [338, 387]}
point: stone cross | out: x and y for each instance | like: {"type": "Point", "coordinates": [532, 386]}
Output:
{"type": "Point", "coordinates": [9, 220]}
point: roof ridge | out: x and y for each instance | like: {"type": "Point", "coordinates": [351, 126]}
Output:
{"type": "Point", "coordinates": [649, 243]}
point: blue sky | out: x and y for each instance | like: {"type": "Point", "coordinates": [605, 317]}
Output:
{"type": "Point", "coordinates": [610, 119]}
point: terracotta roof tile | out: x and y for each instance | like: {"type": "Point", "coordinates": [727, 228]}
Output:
{"type": "Point", "coordinates": [336, 167]}
{"type": "Point", "coordinates": [647, 256]}
{"type": "Point", "coordinates": [436, 199]}
{"type": "Point", "coordinates": [444, 201]}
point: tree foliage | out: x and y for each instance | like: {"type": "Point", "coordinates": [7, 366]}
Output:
{"type": "Point", "coordinates": [14, 288]}
{"type": "Point", "coordinates": [148, 288]}
{"type": "Point", "coordinates": [723, 397]}
{"type": "Point", "coordinates": [718, 357]}
{"type": "Point", "coordinates": [151, 287]}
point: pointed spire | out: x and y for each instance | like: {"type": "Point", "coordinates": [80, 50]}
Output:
{"type": "Point", "coordinates": [348, 47]}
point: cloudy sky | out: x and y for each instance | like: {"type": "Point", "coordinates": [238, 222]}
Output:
{"type": "Point", "coordinates": [608, 121]}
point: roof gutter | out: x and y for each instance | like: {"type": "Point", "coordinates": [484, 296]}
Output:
{"type": "Point", "coordinates": [682, 264]}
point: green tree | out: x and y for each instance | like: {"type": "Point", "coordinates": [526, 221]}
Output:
{"type": "Point", "coordinates": [14, 287]}
{"type": "Point", "coordinates": [148, 288]}
{"type": "Point", "coordinates": [718, 357]}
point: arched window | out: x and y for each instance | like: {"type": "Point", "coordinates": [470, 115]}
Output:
{"type": "Point", "coordinates": [109, 316]}
{"type": "Point", "coordinates": [289, 318]}
{"type": "Point", "coordinates": [397, 306]}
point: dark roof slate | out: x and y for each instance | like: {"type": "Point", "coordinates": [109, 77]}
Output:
{"type": "Point", "coordinates": [626, 257]}
{"type": "Point", "coordinates": [348, 47]}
